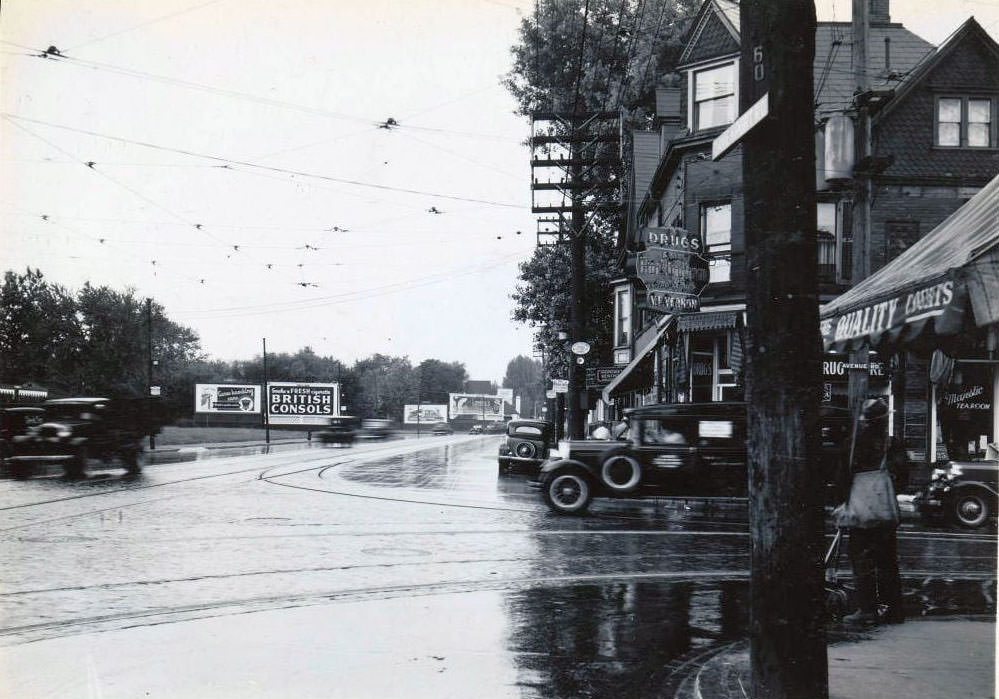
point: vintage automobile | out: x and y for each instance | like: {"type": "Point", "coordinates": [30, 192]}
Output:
{"type": "Point", "coordinates": [442, 428]}
{"type": "Point", "coordinates": [965, 493]}
{"type": "Point", "coordinates": [341, 430]}
{"type": "Point", "coordinates": [527, 445]}
{"type": "Point", "coordinates": [14, 422]}
{"type": "Point", "coordinates": [376, 428]}
{"type": "Point", "coordinates": [475, 429]}
{"type": "Point", "coordinates": [74, 431]}
{"type": "Point", "coordinates": [694, 449]}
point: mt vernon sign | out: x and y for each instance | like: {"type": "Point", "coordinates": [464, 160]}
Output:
{"type": "Point", "coordinates": [672, 269]}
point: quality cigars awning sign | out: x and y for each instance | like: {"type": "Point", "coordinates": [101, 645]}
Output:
{"type": "Point", "coordinates": [898, 318]}
{"type": "Point", "coordinates": [672, 269]}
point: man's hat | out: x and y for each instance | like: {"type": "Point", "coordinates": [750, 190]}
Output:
{"type": "Point", "coordinates": [873, 409]}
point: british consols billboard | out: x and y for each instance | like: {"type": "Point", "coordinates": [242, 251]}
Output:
{"type": "Point", "coordinates": [226, 398]}
{"type": "Point", "coordinates": [302, 403]}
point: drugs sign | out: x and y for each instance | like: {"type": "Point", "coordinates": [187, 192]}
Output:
{"type": "Point", "coordinates": [302, 403]}
{"type": "Point", "coordinates": [672, 269]}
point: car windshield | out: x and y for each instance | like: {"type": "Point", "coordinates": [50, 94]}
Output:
{"type": "Point", "coordinates": [72, 412]}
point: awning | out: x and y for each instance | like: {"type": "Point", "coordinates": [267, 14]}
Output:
{"type": "Point", "coordinates": [926, 288]}
{"type": "Point", "coordinates": [631, 377]}
{"type": "Point", "coordinates": [708, 320]}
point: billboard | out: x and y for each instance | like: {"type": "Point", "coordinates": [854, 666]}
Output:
{"type": "Point", "coordinates": [302, 403]}
{"type": "Point", "coordinates": [424, 414]}
{"type": "Point", "coordinates": [477, 405]}
{"type": "Point", "coordinates": [226, 398]}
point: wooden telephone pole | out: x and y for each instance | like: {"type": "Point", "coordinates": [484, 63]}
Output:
{"type": "Point", "coordinates": [783, 358]}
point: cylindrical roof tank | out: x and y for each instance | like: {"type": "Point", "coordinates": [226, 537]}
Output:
{"type": "Point", "coordinates": [840, 149]}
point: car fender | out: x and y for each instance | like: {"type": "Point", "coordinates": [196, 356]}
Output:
{"type": "Point", "coordinates": [554, 465]}
{"type": "Point", "coordinates": [956, 488]}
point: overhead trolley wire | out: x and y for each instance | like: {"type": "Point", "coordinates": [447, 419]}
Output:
{"type": "Point", "coordinates": [228, 162]}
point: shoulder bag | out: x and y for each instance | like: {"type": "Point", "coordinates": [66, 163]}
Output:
{"type": "Point", "coordinates": [871, 503]}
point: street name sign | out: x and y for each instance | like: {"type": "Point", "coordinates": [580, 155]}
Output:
{"type": "Point", "coordinates": [740, 127]}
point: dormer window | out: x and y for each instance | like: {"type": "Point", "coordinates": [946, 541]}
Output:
{"type": "Point", "coordinates": [713, 97]}
{"type": "Point", "coordinates": [965, 122]}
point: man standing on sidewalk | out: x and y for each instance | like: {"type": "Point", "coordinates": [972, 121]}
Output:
{"type": "Point", "coordinates": [874, 549]}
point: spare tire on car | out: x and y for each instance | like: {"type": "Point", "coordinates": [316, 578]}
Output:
{"type": "Point", "coordinates": [620, 472]}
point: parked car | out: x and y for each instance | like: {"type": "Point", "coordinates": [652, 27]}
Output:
{"type": "Point", "coordinates": [442, 428]}
{"type": "Point", "coordinates": [341, 429]}
{"type": "Point", "coordinates": [527, 445]}
{"type": "Point", "coordinates": [377, 428]}
{"type": "Point", "coordinates": [475, 429]}
{"type": "Point", "coordinates": [495, 428]}
{"type": "Point", "coordinates": [673, 449]}
{"type": "Point", "coordinates": [965, 493]}
{"type": "Point", "coordinates": [14, 422]}
{"type": "Point", "coordinates": [74, 431]}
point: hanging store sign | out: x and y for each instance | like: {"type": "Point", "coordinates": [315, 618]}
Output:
{"type": "Point", "coordinates": [302, 403]}
{"type": "Point", "coordinates": [560, 385]}
{"type": "Point", "coordinates": [599, 376]}
{"type": "Point", "coordinates": [672, 269]}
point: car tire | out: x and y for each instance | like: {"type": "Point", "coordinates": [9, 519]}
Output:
{"type": "Point", "coordinates": [971, 508]}
{"type": "Point", "coordinates": [130, 459]}
{"type": "Point", "coordinates": [611, 473]}
{"type": "Point", "coordinates": [568, 491]}
{"type": "Point", "coordinates": [76, 468]}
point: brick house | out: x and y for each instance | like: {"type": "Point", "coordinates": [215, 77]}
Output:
{"type": "Point", "coordinates": [936, 140]}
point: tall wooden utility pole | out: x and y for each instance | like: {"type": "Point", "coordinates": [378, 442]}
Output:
{"type": "Point", "coordinates": [861, 262]}
{"type": "Point", "coordinates": [567, 149]}
{"type": "Point", "coordinates": [149, 373]}
{"type": "Point", "coordinates": [783, 359]}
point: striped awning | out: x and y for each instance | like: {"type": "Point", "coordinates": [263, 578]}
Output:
{"type": "Point", "coordinates": [926, 288]}
{"type": "Point", "coordinates": [709, 320]}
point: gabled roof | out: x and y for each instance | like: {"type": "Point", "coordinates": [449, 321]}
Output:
{"type": "Point", "coordinates": [892, 54]}
{"type": "Point", "coordinates": [721, 16]}
{"type": "Point", "coordinates": [970, 29]}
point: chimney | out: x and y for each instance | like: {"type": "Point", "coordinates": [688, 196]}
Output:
{"type": "Point", "coordinates": [879, 12]}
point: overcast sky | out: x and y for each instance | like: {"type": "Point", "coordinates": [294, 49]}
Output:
{"type": "Point", "coordinates": [224, 157]}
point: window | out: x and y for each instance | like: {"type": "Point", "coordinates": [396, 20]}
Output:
{"type": "Point", "coordinates": [716, 232]}
{"type": "Point", "coordinates": [713, 97]}
{"type": "Point", "coordinates": [966, 122]}
{"type": "Point", "coordinates": [622, 317]}
{"type": "Point", "coordinates": [835, 242]}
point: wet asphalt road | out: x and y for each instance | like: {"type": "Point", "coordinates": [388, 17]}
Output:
{"type": "Point", "coordinates": [395, 545]}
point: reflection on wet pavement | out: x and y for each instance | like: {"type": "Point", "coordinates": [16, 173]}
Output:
{"type": "Point", "coordinates": [634, 639]}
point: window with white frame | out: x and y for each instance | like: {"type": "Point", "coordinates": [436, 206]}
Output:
{"type": "Point", "coordinates": [622, 317]}
{"type": "Point", "coordinates": [716, 232]}
{"type": "Point", "coordinates": [713, 100]}
{"type": "Point", "coordinates": [965, 122]}
{"type": "Point", "coordinates": [835, 245]}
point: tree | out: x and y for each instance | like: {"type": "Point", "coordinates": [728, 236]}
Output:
{"type": "Point", "coordinates": [526, 377]}
{"type": "Point", "coordinates": [436, 379]}
{"type": "Point", "coordinates": [578, 56]}
{"type": "Point", "coordinates": [39, 333]}
{"type": "Point", "coordinates": [383, 385]}
{"type": "Point", "coordinates": [542, 300]}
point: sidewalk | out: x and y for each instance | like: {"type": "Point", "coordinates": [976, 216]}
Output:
{"type": "Point", "coordinates": [922, 658]}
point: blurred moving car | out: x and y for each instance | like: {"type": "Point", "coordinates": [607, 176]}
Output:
{"type": "Point", "coordinates": [376, 428]}
{"type": "Point", "coordinates": [342, 430]}
{"type": "Point", "coordinates": [442, 428]}
{"type": "Point", "coordinates": [672, 449]}
{"type": "Point", "coordinates": [14, 422]}
{"type": "Point", "coordinates": [495, 428]}
{"type": "Point", "coordinates": [74, 431]}
{"type": "Point", "coordinates": [475, 429]}
{"type": "Point", "coordinates": [965, 493]}
{"type": "Point", "coordinates": [527, 445]}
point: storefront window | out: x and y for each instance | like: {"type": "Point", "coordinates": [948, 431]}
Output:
{"type": "Point", "coordinates": [965, 412]}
